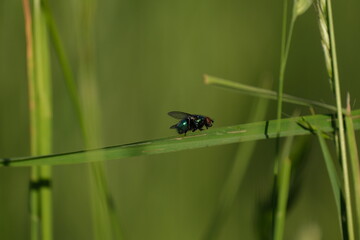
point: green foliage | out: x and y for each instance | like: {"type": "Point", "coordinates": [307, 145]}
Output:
{"type": "Point", "coordinates": [145, 60]}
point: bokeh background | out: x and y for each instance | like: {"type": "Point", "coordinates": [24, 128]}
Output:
{"type": "Point", "coordinates": [150, 59]}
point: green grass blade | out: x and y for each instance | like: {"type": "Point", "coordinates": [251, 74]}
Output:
{"type": "Point", "coordinates": [34, 175]}
{"type": "Point", "coordinates": [285, 46]}
{"type": "Point", "coordinates": [299, 7]}
{"type": "Point", "coordinates": [30, 71]}
{"type": "Point", "coordinates": [264, 93]}
{"type": "Point", "coordinates": [33, 193]}
{"type": "Point", "coordinates": [65, 67]}
{"type": "Point", "coordinates": [336, 182]}
{"type": "Point", "coordinates": [211, 137]}
{"type": "Point", "coordinates": [42, 81]}
{"type": "Point", "coordinates": [326, 19]}
{"type": "Point", "coordinates": [41, 125]}
{"type": "Point", "coordinates": [282, 172]}
{"type": "Point", "coordinates": [283, 186]}
{"type": "Point", "coordinates": [105, 222]}
{"type": "Point", "coordinates": [264, 217]}
{"type": "Point", "coordinates": [46, 202]}
{"type": "Point", "coordinates": [35, 218]}
{"type": "Point", "coordinates": [354, 168]}
{"type": "Point", "coordinates": [235, 177]}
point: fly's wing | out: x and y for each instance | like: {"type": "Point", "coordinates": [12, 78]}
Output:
{"type": "Point", "coordinates": [179, 115]}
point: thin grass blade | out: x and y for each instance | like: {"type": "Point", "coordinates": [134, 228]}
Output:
{"type": "Point", "coordinates": [34, 194]}
{"type": "Point", "coordinates": [264, 93]}
{"type": "Point", "coordinates": [335, 179]}
{"type": "Point", "coordinates": [211, 137]}
{"type": "Point", "coordinates": [39, 78]}
{"type": "Point", "coordinates": [265, 208]}
{"type": "Point", "coordinates": [235, 176]}
{"type": "Point", "coordinates": [282, 185]}
{"type": "Point", "coordinates": [105, 222]}
{"type": "Point", "coordinates": [65, 66]}
{"type": "Point", "coordinates": [354, 168]}
{"type": "Point", "coordinates": [328, 34]}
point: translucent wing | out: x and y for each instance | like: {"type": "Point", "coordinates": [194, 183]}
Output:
{"type": "Point", "coordinates": [179, 115]}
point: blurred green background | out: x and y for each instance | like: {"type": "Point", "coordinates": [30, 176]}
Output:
{"type": "Point", "coordinates": [150, 58]}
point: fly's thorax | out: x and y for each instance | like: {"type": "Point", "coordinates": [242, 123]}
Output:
{"type": "Point", "coordinates": [199, 120]}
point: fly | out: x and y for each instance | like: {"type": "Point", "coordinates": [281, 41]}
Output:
{"type": "Point", "coordinates": [190, 122]}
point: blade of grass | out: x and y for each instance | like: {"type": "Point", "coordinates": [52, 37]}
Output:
{"type": "Point", "coordinates": [40, 120]}
{"type": "Point", "coordinates": [282, 170]}
{"type": "Point", "coordinates": [264, 210]}
{"type": "Point", "coordinates": [336, 182]}
{"type": "Point", "coordinates": [34, 194]}
{"type": "Point", "coordinates": [299, 7]}
{"type": "Point", "coordinates": [30, 71]}
{"type": "Point", "coordinates": [264, 93]}
{"type": "Point", "coordinates": [65, 67]}
{"type": "Point", "coordinates": [283, 186]}
{"type": "Point", "coordinates": [354, 167]}
{"type": "Point", "coordinates": [283, 59]}
{"type": "Point", "coordinates": [211, 137]}
{"type": "Point", "coordinates": [329, 46]}
{"type": "Point", "coordinates": [104, 217]}
{"type": "Point", "coordinates": [235, 176]}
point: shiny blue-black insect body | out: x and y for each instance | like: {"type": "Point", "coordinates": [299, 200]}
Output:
{"type": "Point", "coordinates": [182, 126]}
{"type": "Point", "coordinates": [190, 122]}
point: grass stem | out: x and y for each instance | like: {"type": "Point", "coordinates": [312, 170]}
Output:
{"type": "Point", "coordinates": [39, 78]}
{"type": "Point", "coordinates": [264, 93]}
{"type": "Point", "coordinates": [283, 192]}
{"type": "Point", "coordinates": [341, 132]}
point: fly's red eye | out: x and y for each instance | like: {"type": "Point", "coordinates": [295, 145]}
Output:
{"type": "Point", "coordinates": [209, 121]}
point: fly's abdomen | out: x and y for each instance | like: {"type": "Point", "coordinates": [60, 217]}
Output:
{"type": "Point", "coordinates": [182, 126]}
